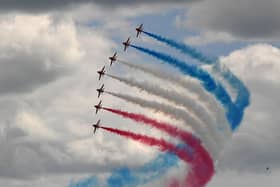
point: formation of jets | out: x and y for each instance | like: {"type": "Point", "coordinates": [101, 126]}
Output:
{"type": "Point", "coordinates": [101, 73]}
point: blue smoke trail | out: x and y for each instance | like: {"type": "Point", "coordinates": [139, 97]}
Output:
{"type": "Point", "coordinates": [243, 94]}
{"type": "Point", "coordinates": [182, 47]}
{"type": "Point", "coordinates": [125, 177]}
{"type": "Point", "coordinates": [89, 182]}
{"type": "Point", "coordinates": [233, 115]}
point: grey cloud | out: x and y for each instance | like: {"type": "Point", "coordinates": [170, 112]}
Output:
{"type": "Point", "coordinates": [24, 159]}
{"type": "Point", "coordinates": [41, 5]}
{"type": "Point", "coordinates": [256, 145]}
{"type": "Point", "coordinates": [247, 19]}
{"type": "Point", "coordinates": [24, 72]}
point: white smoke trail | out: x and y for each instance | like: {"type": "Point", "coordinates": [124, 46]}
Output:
{"type": "Point", "coordinates": [176, 113]}
{"type": "Point", "coordinates": [193, 87]}
{"type": "Point", "coordinates": [200, 114]}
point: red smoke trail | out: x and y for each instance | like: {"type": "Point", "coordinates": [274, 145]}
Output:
{"type": "Point", "coordinates": [162, 144]}
{"type": "Point", "coordinates": [202, 164]}
{"type": "Point", "coordinates": [187, 137]}
{"type": "Point", "coordinates": [174, 183]}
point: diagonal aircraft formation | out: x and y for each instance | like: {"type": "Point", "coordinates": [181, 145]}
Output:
{"type": "Point", "coordinates": [101, 73]}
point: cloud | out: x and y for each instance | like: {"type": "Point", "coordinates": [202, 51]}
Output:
{"type": "Point", "coordinates": [232, 179]}
{"type": "Point", "coordinates": [45, 129]}
{"type": "Point", "coordinates": [244, 20]}
{"type": "Point", "coordinates": [42, 6]}
{"type": "Point", "coordinates": [34, 53]}
{"type": "Point", "coordinates": [209, 37]}
{"type": "Point", "coordinates": [254, 147]}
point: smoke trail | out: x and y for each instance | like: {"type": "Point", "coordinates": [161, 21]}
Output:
{"type": "Point", "coordinates": [182, 47]}
{"type": "Point", "coordinates": [193, 106]}
{"type": "Point", "coordinates": [243, 95]}
{"type": "Point", "coordinates": [147, 173]}
{"type": "Point", "coordinates": [187, 138]}
{"type": "Point", "coordinates": [174, 183]}
{"type": "Point", "coordinates": [193, 88]}
{"type": "Point", "coordinates": [125, 177]}
{"type": "Point", "coordinates": [175, 113]}
{"type": "Point", "coordinates": [162, 144]}
{"type": "Point", "coordinates": [203, 168]}
{"type": "Point", "coordinates": [89, 182]}
{"type": "Point", "coordinates": [234, 116]}
{"type": "Point", "coordinates": [200, 113]}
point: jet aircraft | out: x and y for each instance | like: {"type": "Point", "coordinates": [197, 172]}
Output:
{"type": "Point", "coordinates": [100, 90]}
{"type": "Point", "coordinates": [101, 72]}
{"type": "Point", "coordinates": [96, 126]}
{"type": "Point", "coordinates": [139, 30]}
{"type": "Point", "coordinates": [113, 58]}
{"type": "Point", "coordinates": [98, 107]}
{"type": "Point", "coordinates": [126, 44]}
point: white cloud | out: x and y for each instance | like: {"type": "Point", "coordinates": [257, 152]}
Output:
{"type": "Point", "coordinates": [35, 127]}
{"type": "Point", "coordinates": [34, 52]}
{"type": "Point", "coordinates": [49, 124]}
{"type": "Point", "coordinates": [257, 62]}
{"type": "Point", "coordinates": [254, 146]}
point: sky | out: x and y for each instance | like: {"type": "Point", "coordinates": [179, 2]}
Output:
{"type": "Point", "coordinates": [50, 52]}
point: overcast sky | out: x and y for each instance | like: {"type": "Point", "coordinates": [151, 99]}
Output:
{"type": "Point", "coordinates": [50, 52]}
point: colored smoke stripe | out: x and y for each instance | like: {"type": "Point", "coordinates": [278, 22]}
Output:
{"type": "Point", "coordinates": [199, 117]}
{"type": "Point", "coordinates": [89, 182]}
{"type": "Point", "coordinates": [150, 141]}
{"type": "Point", "coordinates": [203, 168]}
{"type": "Point", "coordinates": [175, 113]}
{"type": "Point", "coordinates": [194, 88]}
{"type": "Point", "coordinates": [234, 116]}
{"type": "Point", "coordinates": [202, 164]}
{"type": "Point", "coordinates": [188, 138]}
{"type": "Point", "coordinates": [125, 177]}
{"type": "Point", "coordinates": [243, 95]}
{"type": "Point", "coordinates": [182, 47]}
